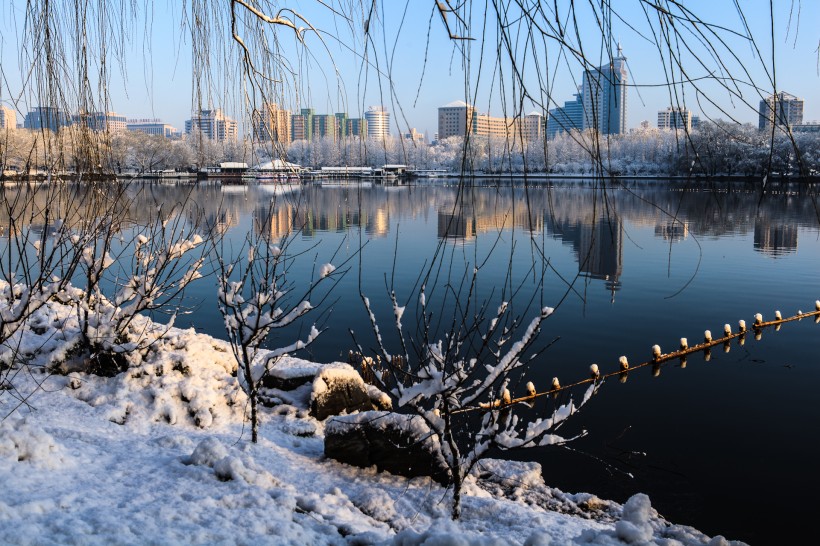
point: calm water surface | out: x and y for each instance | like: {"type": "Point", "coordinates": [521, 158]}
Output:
{"type": "Point", "coordinates": [726, 445]}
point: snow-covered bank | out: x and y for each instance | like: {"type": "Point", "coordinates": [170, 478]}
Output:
{"type": "Point", "coordinates": [161, 454]}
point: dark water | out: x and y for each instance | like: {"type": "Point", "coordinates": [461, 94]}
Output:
{"type": "Point", "coordinates": [726, 445]}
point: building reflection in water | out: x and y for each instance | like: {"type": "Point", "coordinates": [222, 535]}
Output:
{"type": "Point", "coordinates": [275, 223]}
{"type": "Point", "coordinates": [775, 239]}
{"type": "Point", "coordinates": [674, 231]}
{"type": "Point", "coordinates": [484, 217]}
{"type": "Point", "coordinates": [455, 225]}
{"type": "Point", "coordinates": [598, 248]}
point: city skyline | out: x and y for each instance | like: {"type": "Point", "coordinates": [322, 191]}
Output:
{"type": "Point", "coordinates": [152, 88]}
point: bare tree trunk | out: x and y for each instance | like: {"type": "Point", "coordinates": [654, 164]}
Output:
{"type": "Point", "coordinates": [254, 417]}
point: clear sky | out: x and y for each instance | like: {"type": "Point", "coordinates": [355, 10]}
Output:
{"type": "Point", "coordinates": [156, 80]}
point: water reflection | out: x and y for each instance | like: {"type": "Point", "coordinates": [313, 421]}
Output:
{"type": "Point", "coordinates": [597, 244]}
{"type": "Point", "coordinates": [591, 221]}
{"type": "Point", "coordinates": [775, 239]}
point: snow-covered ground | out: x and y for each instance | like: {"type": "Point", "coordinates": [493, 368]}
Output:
{"type": "Point", "coordinates": [161, 454]}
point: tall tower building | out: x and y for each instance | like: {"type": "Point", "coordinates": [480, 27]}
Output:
{"type": "Point", "coordinates": [301, 125]}
{"type": "Point", "coordinates": [675, 118]}
{"type": "Point", "coordinates": [781, 109]}
{"type": "Point", "coordinates": [378, 122]}
{"type": "Point", "coordinates": [604, 95]}
{"type": "Point", "coordinates": [214, 125]}
{"type": "Point", "coordinates": [324, 126]}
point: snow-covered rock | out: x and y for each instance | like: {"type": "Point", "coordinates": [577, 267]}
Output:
{"type": "Point", "coordinates": [395, 443]}
{"type": "Point", "coordinates": [338, 390]}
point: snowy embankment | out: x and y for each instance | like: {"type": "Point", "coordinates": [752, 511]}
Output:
{"type": "Point", "coordinates": [160, 454]}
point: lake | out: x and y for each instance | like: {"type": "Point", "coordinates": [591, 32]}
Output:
{"type": "Point", "coordinates": [725, 444]}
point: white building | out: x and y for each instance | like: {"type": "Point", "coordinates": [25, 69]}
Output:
{"type": "Point", "coordinates": [378, 122]}
{"type": "Point", "coordinates": [152, 127]}
{"type": "Point", "coordinates": [781, 109]}
{"type": "Point", "coordinates": [675, 118]}
{"type": "Point", "coordinates": [214, 125]}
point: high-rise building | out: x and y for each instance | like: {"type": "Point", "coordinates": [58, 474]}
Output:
{"type": "Point", "coordinates": [378, 122]}
{"type": "Point", "coordinates": [102, 121]}
{"type": "Point", "coordinates": [152, 127]}
{"type": "Point", "coordinates": [675, 118]}
{"type": "Point", "coordinates": [46, 117]}
{"type": "Point", "coordinates": [563, 119]}
{"type": "Point", "coordinates": [604, 96]}
{"type": "Point", "coordinates": [301, 125]}
{"type": "Point", "coordinates": [8, 117]}
{"type": "Point", "coordinates": [341, 125]}
{"type": "Point", "coordinates": [214, 125]}
{"type": "Point", "coordinates": [324, 126]}
{"type": "Point", "coordinates": [455, 119]}
{"type": "Point", "coordinates": [781, 109]}
{"type": "Point", "coordinates": [272, 124]}
{"type": "Point", "coordinates": [357, 127]}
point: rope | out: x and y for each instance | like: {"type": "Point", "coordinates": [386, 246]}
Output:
{"type": "Point", "coordinates": [657, 360]}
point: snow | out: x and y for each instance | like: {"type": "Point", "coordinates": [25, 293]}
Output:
{"type": "Point", "coordinates": [326, 270]}
{"type": "Point", "coordinates": [161, 454]}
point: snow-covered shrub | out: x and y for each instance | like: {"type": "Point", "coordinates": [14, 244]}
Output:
{"type": "Point", "coordinates": [256, 298]}
{"type": "Point", "coordinates": [125, 278]}
{"type": "Point", "coordinates": [459, 383]}
{"type": "Point", "coordinates": [39, 255]}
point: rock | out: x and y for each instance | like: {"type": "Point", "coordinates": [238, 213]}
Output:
{"type": "Point", "coordinates": [399, 444]}
{"type": "Point", "coordinates": [336, 391]}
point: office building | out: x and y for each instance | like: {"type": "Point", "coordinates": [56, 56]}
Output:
{"type": "Point", "coordinates": [152, 127]}
{"type": "Point", "coordinates": [781, 109]}
{"type": "Point", "coordinates": [808, 127]}
{"type": "Point", "coordinates": [214, 125]}
{"type": "Point", "coordinates": [533, 127]}
{"type": "Point", "coordinates": [564, 119]}
{"type": "Point", "coordinates": [378, 122]}
{"type": "Point", "coordinates": [46, 117]}
{"type": "Point", "coordinates": [102, 121]}
{"type": "Point", "coordinates": [461, 119]}
{"type": "Point", "coordinates": [357, 127]}
{"type": "Point", "coordinates": [675, 118]}
{"type": "Point", "coordinates": [604, 97]}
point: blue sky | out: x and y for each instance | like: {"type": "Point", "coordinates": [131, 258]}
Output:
{"type": "Point", "coordinates": [157, 83]}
